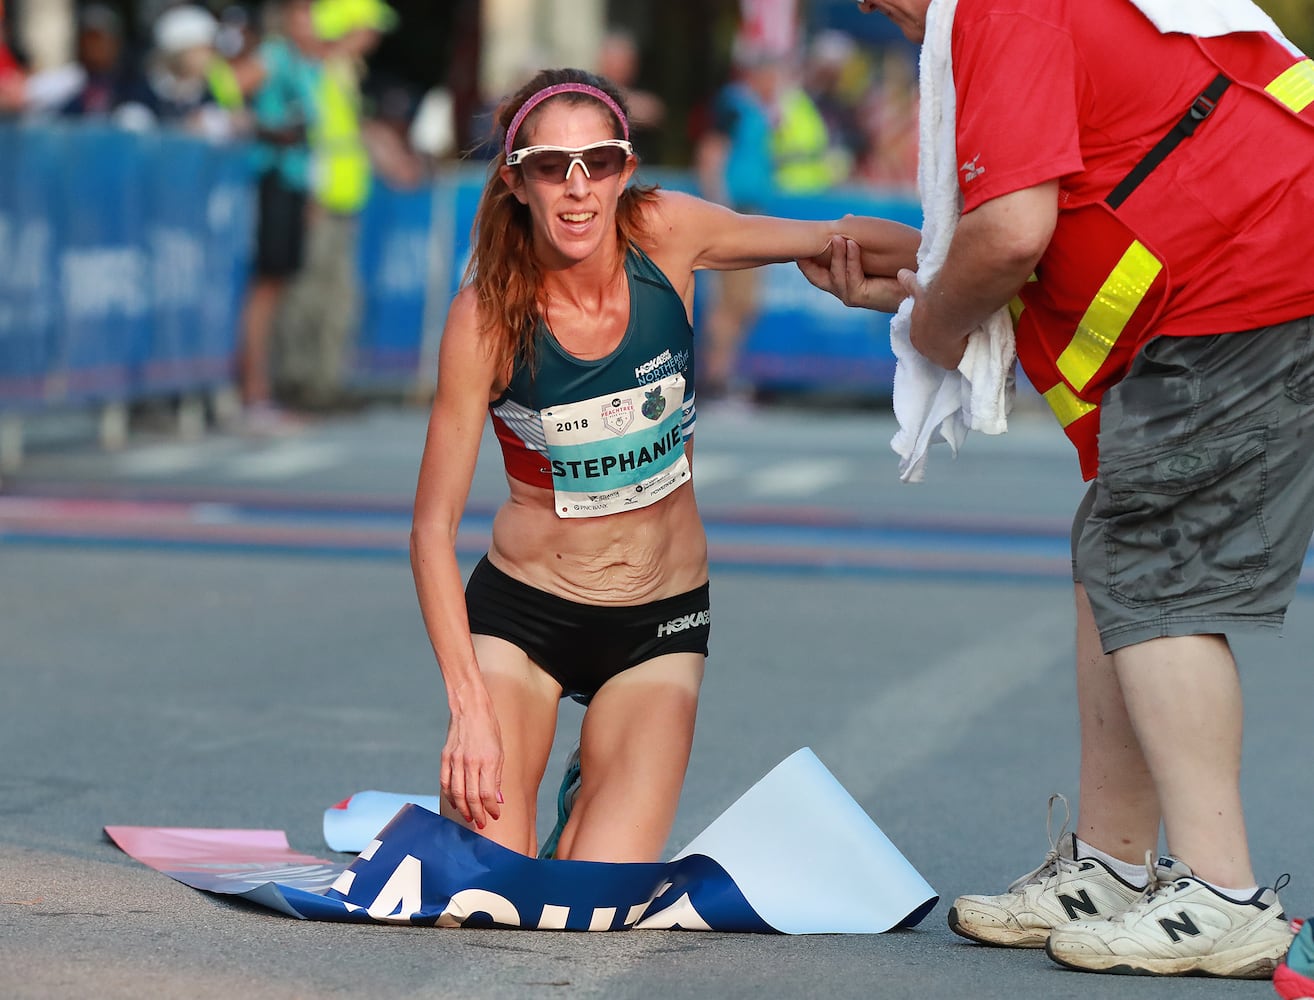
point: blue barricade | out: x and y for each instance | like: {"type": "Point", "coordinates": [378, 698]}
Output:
{"type": "Point", "coordinates": [399, 254]}
{"type": "Point", "coordinates": [803, 339]}
{"type": "Point", "coordinates": [125, 259]}
{"type": "Point", "coordinates": [807, 339]}
{"type": "Point", "coordinates": [27, 277]}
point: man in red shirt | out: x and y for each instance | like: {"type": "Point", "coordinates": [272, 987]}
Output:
{"type": "Point", "coordinates": [1141, 192]}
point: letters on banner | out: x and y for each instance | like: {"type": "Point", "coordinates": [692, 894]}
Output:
{"type": "Point", "coordinates": [423, 869]}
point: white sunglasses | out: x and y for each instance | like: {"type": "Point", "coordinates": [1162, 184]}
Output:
{"type": "Point", "coordinates": [553, 164]}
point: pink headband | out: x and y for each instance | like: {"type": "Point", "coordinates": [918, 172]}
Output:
{"type": "Point", "coordinates": [553, 91]}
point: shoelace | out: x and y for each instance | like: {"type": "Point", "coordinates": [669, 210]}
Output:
{"type": "Point", "coordinates": [1160, 881]}
{"type": "Point", "coordinates": [1054, 862]}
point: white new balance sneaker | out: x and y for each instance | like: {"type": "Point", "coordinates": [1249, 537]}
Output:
{"type": "Point", "coordinates": [1063, 889]}
{"type": "Point", "coordinates": [1180, 927]}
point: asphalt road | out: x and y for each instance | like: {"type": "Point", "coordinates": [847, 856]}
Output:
{"type": "Point", "coordinates": [224, 634]}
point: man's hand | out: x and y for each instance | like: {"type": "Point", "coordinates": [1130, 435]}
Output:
{"type": "Point", "coordinates": [842, 276]}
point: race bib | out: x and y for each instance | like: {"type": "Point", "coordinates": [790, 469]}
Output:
{"type": "Point", "coordinates": [622, 451]}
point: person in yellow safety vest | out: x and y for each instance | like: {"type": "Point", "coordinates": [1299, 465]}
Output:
{"type": "Point", "coordinates": [323, 305]}
{"type": "Point", "coordinates": [805, 158]}
{"type": "Point", "coordinates": [768, 137]}
{"type": "Point", "coordinates": [225, 85]}
{"type": "Point", "coordinates": [237, 70]}
{"type": "Point", "coordinates": [341, 177]}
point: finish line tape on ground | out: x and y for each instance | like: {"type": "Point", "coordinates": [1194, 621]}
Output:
{"type": "Point", "coordinates": [795, 854]}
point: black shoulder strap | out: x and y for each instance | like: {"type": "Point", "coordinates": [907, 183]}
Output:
{"type": "Point", "coordinates": [1201, 108]}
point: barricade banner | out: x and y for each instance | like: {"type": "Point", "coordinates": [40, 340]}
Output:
{"type": "Point", "coordinates": [126, 257]}
{"type": "Point", "coordinates": [396, 242]}
{"type": "Point", "coordinates": [103, 268]}
{"type": "Point", "coordinates": [795, 855]}
{"type": "Point", "coordinates": [28, 159]}
{"type": "Point", "coordinates": [803, 338]}
{"type": "Point", "coordinates": [129, 255]}
{"type": "Point", "coordinates": [198, 242]}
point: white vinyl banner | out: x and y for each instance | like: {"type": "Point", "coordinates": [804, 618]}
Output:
{"type": "Point", "coordinates": [808, 859]}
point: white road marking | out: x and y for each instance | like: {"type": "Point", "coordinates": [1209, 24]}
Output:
{"type": "Point", "coordinates": [713, 467]}
{"type": "Point", "coordinates": [917, 717]}
{"type": "Point", "coordinates": [798, 478]}
{"type": "Point", "coordinates": [284, 460]}
{"type": "Point", "coordinates": [162, 459]}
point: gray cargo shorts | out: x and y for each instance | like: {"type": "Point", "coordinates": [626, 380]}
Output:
{"type": "Point", "coordinates": [1201, 514]}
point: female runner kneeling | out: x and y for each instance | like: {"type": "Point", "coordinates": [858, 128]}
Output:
{"type": "Point", "coordinates": [573, 331]}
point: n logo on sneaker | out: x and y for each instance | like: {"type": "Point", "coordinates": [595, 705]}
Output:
{"type": "Point", "coordinates": [1081, 901]}
{"type": "Point", "coordinates": [1183, 925]}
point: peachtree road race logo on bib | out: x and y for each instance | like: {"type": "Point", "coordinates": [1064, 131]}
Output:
{"type": "Point", "coordinates": [619, 415]}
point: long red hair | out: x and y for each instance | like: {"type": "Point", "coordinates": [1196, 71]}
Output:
{"type": "Point", "coordinates": [503, 268]}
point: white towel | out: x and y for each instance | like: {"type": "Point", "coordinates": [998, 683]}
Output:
{"type": "Point", "coordinates": [930, 403]}
{"type": "Point", "coordinates": [1209, 18]}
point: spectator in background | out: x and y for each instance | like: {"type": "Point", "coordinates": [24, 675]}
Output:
{"type": "Point", "coordinates": [889, 117]}
{"type": "Point", "coordinates": [618, 61]}
{"type": "Point", "coordinates": [766, 137]}
{"type": "Point", "coordinates": [187, 83]}
{"type": "Point", "coordinates": [829, 72]}
{"type": "Point", "coordinates": [282, 107]}
{"type": "Point", "coordinates": [101, 78]}
{"type": "Point", "coordinates": [323, 304]}
{"type": "Point", "coordinates": [238, 44]}
{"type": "Point", "coordinates": [387, 134]}
{"type": "Point", "coordinates": [98, 81]}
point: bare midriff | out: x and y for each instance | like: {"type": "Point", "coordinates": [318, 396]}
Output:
{"type": "Point", "coordinates": [627, 558]}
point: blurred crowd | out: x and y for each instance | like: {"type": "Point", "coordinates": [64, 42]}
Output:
{"type": "Point", "coordinates": [207, 68]}
{"type": "Point", "coordinates": [788, 126]}
{"type": "Point", "coordinates": [293, 80]}
{"type": "Point", "coordinates": [290, 79]}
{"type": "Point", "coordinates": [203, 66]}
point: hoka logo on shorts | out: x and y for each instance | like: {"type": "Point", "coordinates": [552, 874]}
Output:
{"type": "Point", "coordinates": [692, 620]}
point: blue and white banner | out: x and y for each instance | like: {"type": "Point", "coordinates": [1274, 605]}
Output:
{"type": "Point", "coordinates": [795, 854]}
{"type": "Point", "coordinates": [125, 260]}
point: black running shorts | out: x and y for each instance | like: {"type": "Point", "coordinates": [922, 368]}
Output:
{"type": "Point", "coordinates": [582, 646]}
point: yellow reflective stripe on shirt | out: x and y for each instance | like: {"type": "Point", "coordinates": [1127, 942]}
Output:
{"type": "Point", "coordinates": [1067, 406]}
{"type": "Point", "coordinates": [1295, 87]}
{"type": "Point", "coordinates": [1016, 307]}
{"type": "Point", "coordinates": [1108, 314]}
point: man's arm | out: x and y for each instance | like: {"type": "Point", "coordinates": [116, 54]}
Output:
{"type": "Point", "coordinates": [994, 250]}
